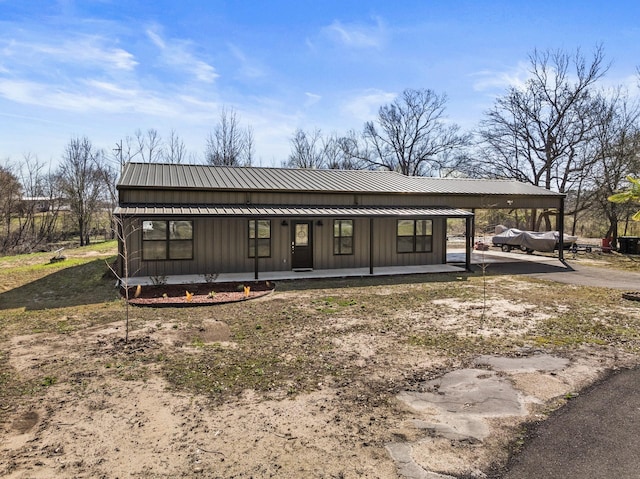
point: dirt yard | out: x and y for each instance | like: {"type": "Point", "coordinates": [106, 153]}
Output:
{"type": "Point", "coordinates": [307, 382]}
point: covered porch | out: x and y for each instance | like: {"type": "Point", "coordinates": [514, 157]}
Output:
{"type": "Point", "coordinates": [311, 274]}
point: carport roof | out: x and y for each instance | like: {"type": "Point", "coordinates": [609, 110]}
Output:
{"type": "Point", "coordinates": [204, 177]}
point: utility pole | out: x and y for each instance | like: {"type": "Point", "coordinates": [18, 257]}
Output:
{"type": "Point", "coordinates": [118, 152]}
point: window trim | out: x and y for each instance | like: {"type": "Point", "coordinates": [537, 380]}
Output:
{"type": "Point", "coordinates": [414, 236]}
{"type": "Point", "coordinates": [250, 240]}
{"type": "Point", "coordinates": [340, 236]}
{"type": "Point", "coordinates": [167, 240]}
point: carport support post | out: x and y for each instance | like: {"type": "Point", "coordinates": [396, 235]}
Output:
{"type": "Point", "coordinates": [469, 242]}
{"type": "Point", "coordinates": [473, 226]}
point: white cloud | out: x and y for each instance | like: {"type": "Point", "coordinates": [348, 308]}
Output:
{"type": "Point", "coordinates": [89, 96]}
{"type": "Point", "coordinates": [177, 54]}
{"type": "Point", "coordinates": [80, 51]}
{"type": "Point", "coordinates": [365, 106]}
{"type": "Point", "coordinates": [500, 80]}
{"type": "Point", "coordinates": [312, 99]}
{"type": "Point", "coordinates": [248, 68]}
{"type": "Point", "coordinates": [356, 35]}
{"type": "Point", "coordinates": [156, 39]}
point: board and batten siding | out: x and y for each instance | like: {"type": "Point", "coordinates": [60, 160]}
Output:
{"type": "Point", "coordinates": [220, 245]}
{"type": "Point", "coordinates": [385, 249]}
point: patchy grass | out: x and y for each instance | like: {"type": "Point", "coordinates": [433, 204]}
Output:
{"type": "Point", "coordinates": [365, 331]}
{"type": "Point", "coordinates": [613, 260]}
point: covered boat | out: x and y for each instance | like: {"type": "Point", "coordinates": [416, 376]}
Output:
{"type": "Point", "coordinates": [547, 241]}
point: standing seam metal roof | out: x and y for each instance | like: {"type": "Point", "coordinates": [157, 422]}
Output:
{"type": "Point", "coordinates": [282, 211]}
{"type": "Point", "coordinates": [179, 176]}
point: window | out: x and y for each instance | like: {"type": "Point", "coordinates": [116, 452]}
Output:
{"type": "Point", "coordinates": [342, 236]}
{"type": "Point", "coordinates": [414, 236]}
{"type": "Point", "coordinates": [167, 239]}
{"type": "Point", "coordinates": [263, 238]}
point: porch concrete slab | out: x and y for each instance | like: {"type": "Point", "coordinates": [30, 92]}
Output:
{"type": "Point", "coordinates": [305, 274]}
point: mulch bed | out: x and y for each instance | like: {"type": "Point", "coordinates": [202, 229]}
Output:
{"type": "Point", "coordinates": [200, 294]}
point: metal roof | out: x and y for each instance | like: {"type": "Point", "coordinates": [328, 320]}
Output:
{"type": "Point", "coordinates": [286, 211]}
{"type": "Point", "coordinates": [468, 186]}
{"type": "Point", "coordinates": [181, 176]}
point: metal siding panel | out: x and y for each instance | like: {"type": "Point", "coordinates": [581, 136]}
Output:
{"type": "Point", "coordinates": [322, 255]}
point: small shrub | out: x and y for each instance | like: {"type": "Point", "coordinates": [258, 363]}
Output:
{"type": "Point", "coordinates": [49, 381]}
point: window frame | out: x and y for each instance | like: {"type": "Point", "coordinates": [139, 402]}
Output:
{"type": "Point", "coordinates": [337, 240]}
{"type": "Point", "coordinates": [416, 239]}
{"type": "Point", "coordinates": [252, 241]}
{"type": "Point", "coordinates": [167, 240]}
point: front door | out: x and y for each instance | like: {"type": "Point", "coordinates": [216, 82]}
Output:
{"type": "Point", "coordinates": [302, 245]}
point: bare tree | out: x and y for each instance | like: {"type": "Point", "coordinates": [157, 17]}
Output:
{"type": "Point", "coordinates": [537, 133]}
{"type": "Point", "coordinates": [618, 143]}
{"type": "Point", "coordinates": [39, 215]}
{"type": "Point", "coordinates": [149, 145]}
{"type": "Point", "coordinates": [334, 152]}
{"type": "Point", "coordinates": [81, 182]}
{"type": "Point", "coordinates": [124, 230]}
{"type": "Point", "coordinates": [175, 151]}
{"type": "Point", "coordinates": [10, 200]}
{"type": "Point", "coordinates": [229, 144]}
{"type": "Point", "coordinates": [306, 150]}
{"type": "Point", "coordinates": [344, 152]}
{"type": "Point", "coordinates": [412, 137]}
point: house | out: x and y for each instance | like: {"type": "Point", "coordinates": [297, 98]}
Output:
{"type": "Point", "coordinates": [195, 219]}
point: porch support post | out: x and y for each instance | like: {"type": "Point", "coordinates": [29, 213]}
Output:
{"type": "Point", "coordinates": [255, 247]}
{"type": "Point", "coordinates": [121, 248]}
{"type": "Point", "coordinates": [560, 225]}
{"type": "Point", "coordinates": [371, 245]}
{"type": "Point", "coordinates": [468, 243]}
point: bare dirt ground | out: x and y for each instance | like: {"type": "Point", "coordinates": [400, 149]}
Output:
{"type": "Point", "coordinates": [109, 411]}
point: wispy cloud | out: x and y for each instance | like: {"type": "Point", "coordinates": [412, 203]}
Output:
{"type": "Point", "coordinates": [365, 106]}
{"type": "Point", "coordinates": [248, 67]}
{"type": "Point", "coordinates": [489, 80]}
{"type": "Point", "coordinates": [81, 51]}
{"type": "Point", "coordinates": [312, 99]}
{"type": "Point", "coordinates": [89, 96]}
{"type": "Point", "coordinates": [177, 54]}
{"type": "Point", "coordinates": [357, 35]}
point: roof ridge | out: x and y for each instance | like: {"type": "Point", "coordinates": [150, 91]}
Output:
{"type": "Point", "coordinates": [256, 167]}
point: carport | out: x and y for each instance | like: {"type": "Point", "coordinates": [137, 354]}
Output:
{"type": "Point", "coordinates": [473, 195]}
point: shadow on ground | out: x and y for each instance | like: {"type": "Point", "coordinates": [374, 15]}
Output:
{"type": "Point", "coordinates": [364, 281]}
{"type": "Point", "coordinates": [521, 267]}
{"type": "Point", "coordinates": [74, 286]}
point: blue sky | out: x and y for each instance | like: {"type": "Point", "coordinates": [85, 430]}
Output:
{"type": "Point", "coordinates": [102, 69]}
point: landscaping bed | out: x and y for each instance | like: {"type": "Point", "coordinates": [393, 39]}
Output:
{"type": "Point", "coordinates": [632, 295]}
{"type": "Point", "coordinates": [196, 294]}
